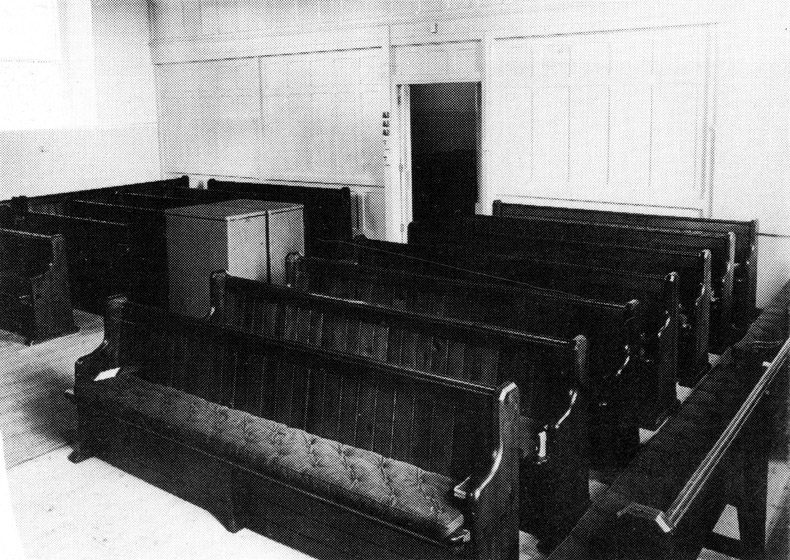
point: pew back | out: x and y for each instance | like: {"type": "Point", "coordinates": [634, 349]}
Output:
{"type": "Point", "coordinates": [549, 367]}
{"type": "Point", "coordinates": [97, 254]}
{"type": "Point", "coordinates": [436, 423]}
{"type": "Point", "coordinates": [659, 295]}
{"type": "Point", "coordinates": [53, 203]}
{"type": "Point", "coordinates": [618, 375]}
{"type": "Point", "coordinates": [328, 212]}
{"type": "Point", "coordinates": [492, 231]}
{"type": "Point", "coordinates": [746, 238]}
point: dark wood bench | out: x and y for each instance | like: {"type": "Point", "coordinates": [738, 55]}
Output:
{"type": "Point", "coordinates": [658, 297]}
{"type": "Point", "coordinates": [327, 211]}
{"type": "Point", "coordinates": [657, 292]}
{"type": "Point", "coordinates": [616, 369]}
{"type": "Point", "coordinates": [34, 288]}
{"type": "Point", "coordinates": [555, 475]}
{"type": "Point", "coordinates": [102, 251]}
{"type": "Point", "coordinates": [53, 203]}
{"type": "Point", "coordinates": [339, 456]}
{"type": "Point", "coordinates": [746, 241]}
{"type": "Point", "coordinates": [714, 453]}
{"type": "Point", "coordinates": [148, 280]}
{"type": "Point", "coordinates": [97, 253]}
{"type": "Point", "coordinates": [493, 230]}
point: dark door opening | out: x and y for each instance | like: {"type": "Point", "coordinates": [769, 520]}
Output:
{"type": "Point", "coordinates": [445, 140]}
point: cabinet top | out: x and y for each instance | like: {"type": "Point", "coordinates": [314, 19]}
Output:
{"type": "Point", "coordinates": [228, 210]}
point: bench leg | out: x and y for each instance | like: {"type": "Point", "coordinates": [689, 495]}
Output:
{"type": "Point", "coordinates": [228, 509]}
{"type": "Point", "coordinates": [81, 451]}
{"type": "Point", "coordinates": [230, 521]}
{"type": "Point", "coordinates": [86, 440]}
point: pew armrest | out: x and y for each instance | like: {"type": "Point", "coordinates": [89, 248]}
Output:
{"type": "Point", "coordinates": [89, 366]}
{"type": "Point", "coordinates": [105, 356]}
{"type": "Point", "coordinates": [461, 490]}
{"type": "Point", "coordinates": [493, 502]}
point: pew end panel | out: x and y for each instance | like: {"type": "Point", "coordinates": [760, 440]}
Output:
{"type": "Point", "coordinates": [35, 299]}
{"type": "Point", "coordinates": [659, 399]}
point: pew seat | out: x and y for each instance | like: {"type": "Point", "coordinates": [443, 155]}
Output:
{"type": "Point", "coordinates": [394, 490]}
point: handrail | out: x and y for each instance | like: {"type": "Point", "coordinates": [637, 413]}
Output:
{"type": "Point", "coordinates": [697, 481]}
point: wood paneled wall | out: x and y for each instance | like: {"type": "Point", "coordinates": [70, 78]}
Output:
{"type": "Point", "coordinates": [662, 107]}
{"type": "Point", "coordinates": [299, 117]}
{"type": "Point", "coordinates": [619, 117]}
{"type": "Point", "coordinates": [201, 18]}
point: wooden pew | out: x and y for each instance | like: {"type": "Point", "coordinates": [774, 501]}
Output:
{"type": "Point", "coordinates": [99, 250]}
{"type": "Point", "coordinates": [492, 230]}
{"type": "Point", "coordinates": [328, 211]}
{"type": "Point", "coordinates": [148, 280]}
{"type": "Point", "coordinates": [318, 225]}
{"type": "Point", "coordinates": [53, 203]}
{"type": "Point", "coordinates": [658, 296]}
{"type": "Point", "coordinates": [336, 455]}
{"type": "Point", "coordinates": [616, 283]}
{"type": "Point", "coordinates": [34, 288]}
{"type": "Point", "coordinates": [746, 241]}
{"type": "Point", "coordinates": [615, 366]}
{"type": "Point", "coordinates": [97, 253]}
{"type": "Point", "coordinates": [554, 488]}
{"type": "Point", "coordinates": [714, 453]}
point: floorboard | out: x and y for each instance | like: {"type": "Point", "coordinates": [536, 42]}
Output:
{"type": "Point", "coordinates": [34, 416]}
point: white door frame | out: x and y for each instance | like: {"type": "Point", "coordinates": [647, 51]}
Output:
{"type": "Point", "coordinates": [401, 170]}
{"type": "Point", "coordinates": [404, 149]}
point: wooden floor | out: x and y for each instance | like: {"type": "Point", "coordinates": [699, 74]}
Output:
{"type": "Point", "coordinates": [93, 510]}
{"type": "Point", "coordinates": [34, 416]}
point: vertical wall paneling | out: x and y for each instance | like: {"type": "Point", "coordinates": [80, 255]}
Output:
{"type": "Point", "coordinates": [321, 113]}
{"type": "Point", "coordinates": [625, 105]}
{"type": "Point", "coordinates": [486, 192]}
{"type": "Point", "coordinates": [210, 117]}
{"type": "Point", "coordinates": [613, 116]}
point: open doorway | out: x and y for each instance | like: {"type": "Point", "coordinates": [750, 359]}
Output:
{"type": "Point", "coordinates": [444, 148]}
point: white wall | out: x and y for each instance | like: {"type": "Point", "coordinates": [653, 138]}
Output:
{"type": "Point", "coordinates": [752, 177]}
{"type": "Point", "coordinates": [669, 107]}
{"type": "Point", "coordinates": [109, 133]}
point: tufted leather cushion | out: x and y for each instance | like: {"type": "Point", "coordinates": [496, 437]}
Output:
{"type": "Point", "coordinates": [384, 488]}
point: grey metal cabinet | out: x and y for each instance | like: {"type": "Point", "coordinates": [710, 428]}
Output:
{"type": "Point", "coordinates": [248, 238]}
